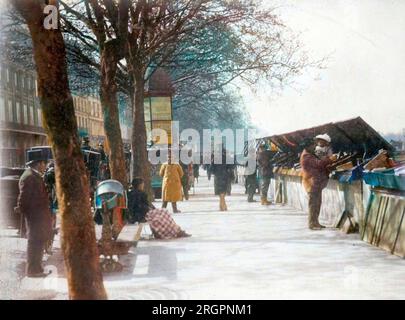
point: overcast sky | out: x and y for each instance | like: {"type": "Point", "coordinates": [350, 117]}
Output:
{"type": "Point", "coordinates": [365, 75]}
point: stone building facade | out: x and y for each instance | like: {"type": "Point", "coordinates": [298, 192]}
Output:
{"type": "Point", "coordinates": [21, 116]}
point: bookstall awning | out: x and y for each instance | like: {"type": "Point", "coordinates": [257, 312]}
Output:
{"type": "Point", "coordinates": [353, 135]}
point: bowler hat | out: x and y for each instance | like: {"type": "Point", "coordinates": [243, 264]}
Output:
{"type": "Point", "coordinates": [36, 156]}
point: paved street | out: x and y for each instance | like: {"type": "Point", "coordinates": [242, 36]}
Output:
{"type": "Point", "coordinates": [249, 253]}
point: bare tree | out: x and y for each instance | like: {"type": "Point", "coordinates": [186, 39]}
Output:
{"type": "Point", "coordinates": [205, 45]}
{"type": "Point", "coordinates": [108, 22]}
{"type": "Point", "coordinates": [78, 234]}
{"type": "Point", "coordinates": [161, 32]}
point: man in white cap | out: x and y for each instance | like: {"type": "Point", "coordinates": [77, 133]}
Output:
{"type": "Point", "coordinates": [323, 148]}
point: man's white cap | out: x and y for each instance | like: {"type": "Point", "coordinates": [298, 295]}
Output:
{"type": "Point", "coordinates": [324, 137]}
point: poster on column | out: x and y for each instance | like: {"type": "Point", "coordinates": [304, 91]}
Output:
{"type": "Point", "coordinates": [161, 108]}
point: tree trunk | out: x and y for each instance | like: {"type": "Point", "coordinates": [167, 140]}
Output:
{"type": "Point", "coordinates": [78, 234]}
{"type": "Point", "coordinates": [109, 102]}
{"type": "Point", "coordinates": [140, 162]}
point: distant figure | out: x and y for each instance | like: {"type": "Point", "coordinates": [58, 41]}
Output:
{"type": "Point", "coordinates": [160, 221]}
{"type": "Point", "coordinates": [102, 153]}
{"type": "Point", "coordinates": [104, 168]}
{"type": "Point", "coordinates": [86, 144]}
{"type": "Point", "coordinates": [196, 171]}
{"type": "Point", "coordinates": [33, 203]}
{"type": "Point", "coordinates": [185, 182]}
{"type": "Point", "coordinates": [223, 177]}
{"type": "Point", "coordinates": [50, 184]}
{"type": "Point", "coordinates": [265, 172]}
{"type": "Point", "coordinates": [208, 168]}
{"type": "Point", "coordinates": [172, 174]}
{"type": "Point", "coordinates": [315, 177]}
{"type": "Point", "coordinates": [251, 184]}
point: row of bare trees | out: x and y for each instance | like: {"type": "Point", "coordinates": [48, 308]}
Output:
{"type": "Point", "coordinates": [204, 44]}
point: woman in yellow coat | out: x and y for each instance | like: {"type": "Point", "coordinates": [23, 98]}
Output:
{"type": "Point", "coordinates": [172, 187]}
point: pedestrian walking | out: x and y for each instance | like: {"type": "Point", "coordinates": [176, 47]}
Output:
{"type": "Point", "coordinates": [33, 204]}
{"type": "Point", "coordinates": [196, 171]}
{"type": "Point", "coordinates": [185, 181]}
{"type": "Point", "coordinates": [265, 172]}
{"type": "Point", "coordinates": [251, 183]}
{"type": "Point", "coordinates": [208, 169]}
{"type": "Point", "coordinates": [172, 174]}
{"type": "Point", "coordinates": [315, 175]}
{"type": "Point", "coordinates": [223, 177]}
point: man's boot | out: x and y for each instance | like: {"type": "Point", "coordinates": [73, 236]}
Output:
{"type": "Point", "coordinates": [317, 224]}
{"type": "Point", "coordinates": [264, 201]}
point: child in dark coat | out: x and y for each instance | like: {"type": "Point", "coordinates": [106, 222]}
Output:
{"type": "Point", "coordinates": [138, 203]}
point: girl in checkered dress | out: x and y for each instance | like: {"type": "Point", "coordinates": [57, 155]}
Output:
{"type": "Point", "coordinates": [160, 221]}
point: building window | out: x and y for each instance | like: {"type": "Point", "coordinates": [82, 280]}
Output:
{"type": "Point", "coordinates": [35, 114]}
{"type": "Point", "coordinates": [18, 112]}
{"type": "Point", "coordinates": [16, 80]}
{"type": "Point", "coordinates": [25, 109]}
{"type": "Point", "coordinates": [40, 117]}
{"type": "Point", "coordinates": [8, 75]}
{"type": "Point", "coordinates": [2, 110]}
{"type": "Point", "coordinates": [36, 88]}
{"type": "Point", "coordinates": [10, 111]}
{"type": "Point", "coordinates": [32, 115]}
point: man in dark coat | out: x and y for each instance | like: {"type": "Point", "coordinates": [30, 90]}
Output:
{"type": "Point", "coordinates": [250, 183]}
{"type": "Point", "coordinates": [315, 177]}
{"type": "Point", "coordinates": [33, 203]}
{"type": "Point", "coordinates": [265, 172]}
{"type": "Point", "coordinates": [223, 177]}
